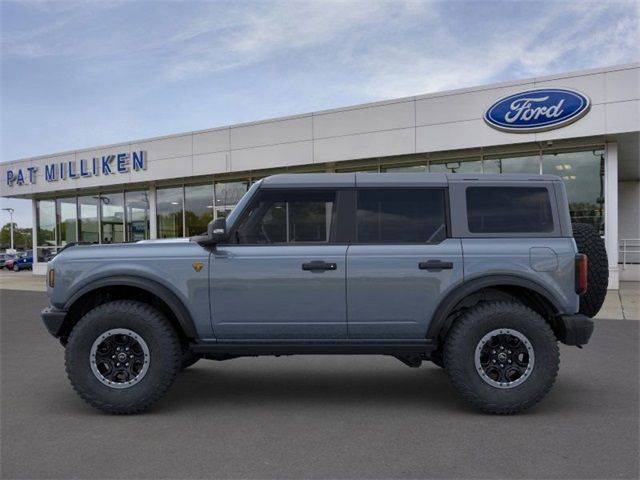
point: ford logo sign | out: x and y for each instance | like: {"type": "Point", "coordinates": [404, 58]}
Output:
{"type": "Point", "coordinates": [537, 110]}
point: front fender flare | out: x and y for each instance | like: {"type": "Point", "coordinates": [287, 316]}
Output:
{"type": "Point", "coordinates": [166, 295]}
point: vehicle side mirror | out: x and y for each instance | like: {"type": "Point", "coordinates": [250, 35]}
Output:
{"type": "Point", "coordinates": [217, 230]}
{"type": "Point", "coordinates": [216, 233]}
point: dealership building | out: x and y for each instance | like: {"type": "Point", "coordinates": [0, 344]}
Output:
{"type": "Point", "coordinates": [582, 126]}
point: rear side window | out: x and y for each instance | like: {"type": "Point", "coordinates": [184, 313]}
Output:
{"type": "Point", "coordinates": [509, 210]}
{"type": "Point", "coordinates": [401, 216]}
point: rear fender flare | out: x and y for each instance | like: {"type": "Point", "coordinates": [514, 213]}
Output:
{"type": "Point", "coordinates": [446, 306]}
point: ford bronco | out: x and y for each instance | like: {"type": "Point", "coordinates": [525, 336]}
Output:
{"type": "Point", "coordinates": [481, 274]}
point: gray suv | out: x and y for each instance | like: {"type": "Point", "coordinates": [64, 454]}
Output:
{"type": "Point", "coordinates": [480, 274]}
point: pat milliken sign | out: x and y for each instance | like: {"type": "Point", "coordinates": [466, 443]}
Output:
{"type": "Point", "coordinates": [115, 164]}
{"type": "Point", "coordinates": [537, 110]}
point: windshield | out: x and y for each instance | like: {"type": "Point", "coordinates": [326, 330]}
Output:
{"type": "Point", "coordinates": [232, 217]}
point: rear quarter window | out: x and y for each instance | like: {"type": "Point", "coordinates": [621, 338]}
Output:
{"type": "Point", "coordinates": [509, 210]}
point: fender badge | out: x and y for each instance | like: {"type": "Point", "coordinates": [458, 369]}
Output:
{"type": "Point", "coordinates": [197, 266]}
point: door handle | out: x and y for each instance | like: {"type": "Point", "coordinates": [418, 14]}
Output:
{"type": "Point", "coordinates": [319, 266]}
{"type": "Point", "coordinates": [435, 265]}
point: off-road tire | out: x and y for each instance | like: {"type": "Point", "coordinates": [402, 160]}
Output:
{"type": "Point", "coordinates": [437, 359]}
{"type": "Point", "coordinates": [164, 351]}
{"type": "Point", "coordinates": [589, 242]}
{"type": "Point", "coordinates": [188, 359]}
{"type": "Point", "coordinates": [463, 340]}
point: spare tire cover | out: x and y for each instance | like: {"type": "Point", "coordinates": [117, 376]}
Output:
{"type": "Point", "coordinates": [589, 242]}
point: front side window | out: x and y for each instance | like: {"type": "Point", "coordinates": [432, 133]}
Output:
{"type": "Point", "coordinates": [509, 210]}
{"type": "Point", "coordinates": [288, 217]}
{"type": "Point", "coordinates": [401, 216]}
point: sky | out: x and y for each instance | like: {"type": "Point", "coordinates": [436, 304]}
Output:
{"type": "Point", "coordinates": [82, 74]}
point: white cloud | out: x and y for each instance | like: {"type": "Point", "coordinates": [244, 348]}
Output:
{"type": "Point", "coordinates": [527, 46]}
{"type": "Point", "coordinates": [261, 33]}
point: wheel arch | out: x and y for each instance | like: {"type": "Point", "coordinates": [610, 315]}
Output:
{"type": "Point", "coordinates": [534, 295]}
{"type": "Point", "coordinates": [128, 287]}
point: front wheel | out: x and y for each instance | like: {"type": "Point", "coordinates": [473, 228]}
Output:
{"type": "Point", "coordinates": [122, 356]}
{"type": "Point", "coordinates": [502, 357]}
{"type": "Point", "coordinates": [188, 358]}
{"type": "Point", "coordinates": [16, 268]}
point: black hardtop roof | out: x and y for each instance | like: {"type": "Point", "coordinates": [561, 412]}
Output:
{"type": "Point", "coordinates": [396, 179]}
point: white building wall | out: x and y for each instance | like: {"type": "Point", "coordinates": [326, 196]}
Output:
{"type": "Point", "coordinates": [428, 123]}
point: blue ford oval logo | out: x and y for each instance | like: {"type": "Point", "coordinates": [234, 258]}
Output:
{"type": "Point", "coordinates": [537, 110]}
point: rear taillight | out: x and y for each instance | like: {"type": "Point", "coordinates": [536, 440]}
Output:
{"type": "Point", "coordinates": [581, 273]}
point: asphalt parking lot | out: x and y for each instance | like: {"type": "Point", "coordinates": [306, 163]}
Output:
{"type": "Point", "coordinates": [315, 417]}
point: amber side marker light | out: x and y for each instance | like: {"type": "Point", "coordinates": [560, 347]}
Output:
{"type": "Point", "coordinates": [52, 277]}
{"type": "Point", "coordinates": [581, 273]}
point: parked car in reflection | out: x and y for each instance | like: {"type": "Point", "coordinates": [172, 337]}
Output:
{"type": "Point", "coordinates": [24, 261]}
{"type": "Point", "coordinates": [6, 257]}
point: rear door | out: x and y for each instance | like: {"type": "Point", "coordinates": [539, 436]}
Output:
{"type": "Point", "coordinates": [401, 262]}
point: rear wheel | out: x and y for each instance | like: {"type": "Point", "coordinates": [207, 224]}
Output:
{"type": "Point", "coordinates": [437, 359]}
{"type": "Point", "coordinates": [589, 242]}
{"type": "Point", "coordinates": [16, 268]}
{"type": "Point", "coordinates": [122, 356]}
{"type": "Point", "coordinates": [502, 357]}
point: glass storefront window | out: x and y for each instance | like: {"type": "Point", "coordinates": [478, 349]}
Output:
{"type": "Point", "coordinates": [358, 169]}
{"type": "Point", "coordinates": [112, 217]}
{"type": "Point", "coordinates": [137, 215]}
{"type": "Point", "coordinates": [169, 212]}
{"type": "Point", "coordinates": [88, 228]}
{"type": "Point", "coordinates": [527, 164]}
{"type": "Point", "coordinates": [583, 177]}
{"type": "Point", "coordinates": [227, 194]}
{"type": "Point", "coordinates": [455, 166]}
{"type": "Point", "coordinates": [407, 168]}
{"type": "Point", "coordinates": [67, 220]}
{"type": "Point", "coordinates": [46, 223]}
{"type": "Point", "coordinates": [198, 208]}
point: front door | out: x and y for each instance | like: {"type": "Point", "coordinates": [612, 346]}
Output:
{"type": "Point", "coordinates": [284, 277]}
{"type": "Point", "coordinates": [401, 263]}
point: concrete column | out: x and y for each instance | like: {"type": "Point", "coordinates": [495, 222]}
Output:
{"type": "Point", "coordinates": [611, 212]}
{"type": "Point", "coordinates": [38, 267]}
{"type": "Point", "coordinates": [153, 226]}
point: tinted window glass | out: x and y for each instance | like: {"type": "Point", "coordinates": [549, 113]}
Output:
{"type": "Point", "coordinates": [198, 208]}
{"type": "Point", "coordinates": [401, 216]}
{"type": "Point", "coordinates": [288, 217]}
{"type": "Point", "coordinates": [509, 210]}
